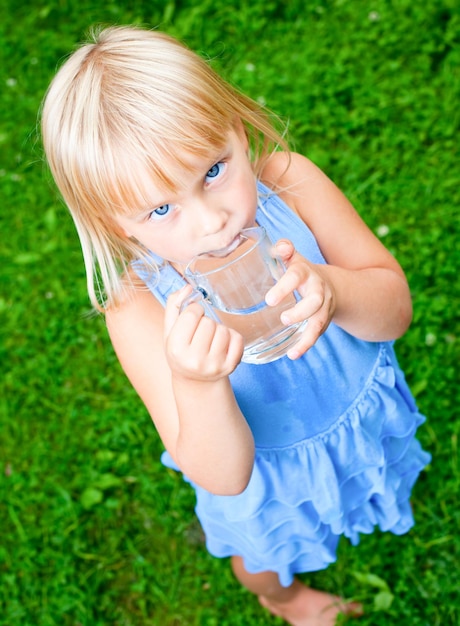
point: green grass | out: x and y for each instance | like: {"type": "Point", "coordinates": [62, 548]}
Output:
{"type": "Point", "coordinates": [93, 530]}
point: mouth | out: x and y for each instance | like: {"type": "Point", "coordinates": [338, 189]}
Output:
{"type": "Point", "coordinates": [228, 249]}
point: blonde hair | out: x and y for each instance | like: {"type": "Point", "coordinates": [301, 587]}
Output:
{"type": "Point", "coordinates": [125, 106]}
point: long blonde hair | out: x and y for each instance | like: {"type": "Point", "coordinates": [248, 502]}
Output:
{"type": "Point", "coordinates": [122, 107]}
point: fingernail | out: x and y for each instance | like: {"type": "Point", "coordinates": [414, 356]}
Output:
{"type": "Point", "coordinates": [285, 319]}
{"type": "Point", "coordinates": [281, 247]}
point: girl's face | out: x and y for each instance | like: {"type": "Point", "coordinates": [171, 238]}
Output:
{"type": "Point", "coordinates": [216, 199]}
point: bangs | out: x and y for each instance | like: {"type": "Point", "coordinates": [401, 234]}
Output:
{"type": "Point", "coordinates": [122, 182]}
{"type": "Point", "coordinates": [153, 127]}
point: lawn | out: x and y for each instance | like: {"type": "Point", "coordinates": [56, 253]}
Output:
{"type": "Point", "coordinates": [94, 531]}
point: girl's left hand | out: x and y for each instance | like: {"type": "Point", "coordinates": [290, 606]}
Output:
{"type": "Point", "coordinates": [318, 296]}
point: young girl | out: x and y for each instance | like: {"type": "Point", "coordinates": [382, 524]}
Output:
{"type": "Point", "coordinates": [159, 160]}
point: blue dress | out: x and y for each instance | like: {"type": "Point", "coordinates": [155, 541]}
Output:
{"type": "Point", "coordinates": [334, 432]}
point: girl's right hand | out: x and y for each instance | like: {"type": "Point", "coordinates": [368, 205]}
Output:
{"type": "Point", "coordinates": [196, 346]}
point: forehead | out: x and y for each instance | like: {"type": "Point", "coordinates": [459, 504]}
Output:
{"type": "Point", "coordinates": [154, 181]}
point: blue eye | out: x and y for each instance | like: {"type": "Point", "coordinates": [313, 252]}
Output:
{"type": "Point", "coordinates": [162, 210]}
{"type": "Point", "coordinates": [215, 171]}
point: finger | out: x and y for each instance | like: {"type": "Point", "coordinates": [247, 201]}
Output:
{"type": "Point", "coordinates": [216, 339]}
{"type": "Point", "coordinates": [225, 352]}
{"type": "Point", "coordinates": [305, 308]}
{"type": "Point", "coordinates": [204, 335]}
{"type": "Point", "coordinates": [173, 305]}
{"type": "Point", "coordinates": [235, 350]}
{"type": "Point", "coordinates": [228, 344]}
{"type": "Point", "coordinates": [314, 329]}
{"type": "Point", "coordinates": [183, 331]}
{"type": "Point", "coordinates": [290, 281]}
{"type": "Point", "coordinates": [284, 249]}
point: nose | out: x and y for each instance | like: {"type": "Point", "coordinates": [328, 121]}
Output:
{"type": "Point", "coordinates": [209, 216]}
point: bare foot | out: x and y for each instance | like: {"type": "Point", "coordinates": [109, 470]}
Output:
{"type": "Point", "coordinates": [308, 607]}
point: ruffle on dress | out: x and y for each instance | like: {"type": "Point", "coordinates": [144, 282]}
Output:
{"type": "Point", "coordinates": [301, 498]}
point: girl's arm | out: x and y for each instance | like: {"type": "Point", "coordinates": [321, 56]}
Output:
{"type": "Point", "coordinates": [189, 397]}
{"type": "Point", "coordinates": [363, 288]}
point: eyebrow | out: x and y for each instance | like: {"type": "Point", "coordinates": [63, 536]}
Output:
{"type": "Point", "coordinates": [139, 213]}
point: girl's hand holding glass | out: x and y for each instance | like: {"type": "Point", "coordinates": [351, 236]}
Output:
{"type": "Point", "coordinates": [197, 347]}
{"type": "Point", "coordinates": [318, 299]}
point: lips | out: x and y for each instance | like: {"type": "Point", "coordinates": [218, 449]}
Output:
{"type": "Point", "coordinates": [223, 252]}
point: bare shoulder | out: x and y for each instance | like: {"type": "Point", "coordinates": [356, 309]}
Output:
{"type": "Point", "coordinates": [286, 168]}
{"type": "Point", "coordinates": [139, 314]}
{"type": "Point", "coordinates": [341, 233]}
{"type": "Point", "coordinates": [135, 328]}
{"type": "Point", "coordinates": [296, 180]}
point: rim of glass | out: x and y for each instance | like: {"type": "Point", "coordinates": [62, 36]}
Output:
{"type": "Point", "coordinates": [260, 234]}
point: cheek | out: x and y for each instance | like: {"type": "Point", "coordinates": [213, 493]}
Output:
{"type": "Point", "coordinates": [249, 192]}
